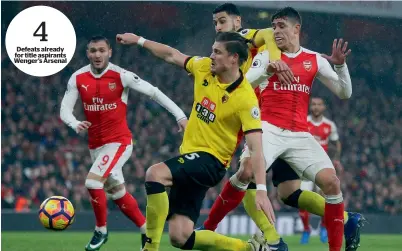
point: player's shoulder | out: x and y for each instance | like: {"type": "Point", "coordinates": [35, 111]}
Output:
{"type": "Point", "coordinates": [200, 64]}
{"type": "Point", "coordinates": [328, 121]}
{"type": "Point", "coordinates": [82, 70]}
{"type": "Point", "coordinates": [247, 33]}
{"type": "Point", "coordinates": [311, 53]}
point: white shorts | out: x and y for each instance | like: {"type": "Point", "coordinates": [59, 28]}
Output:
{"type": "Point", "coordinates": [108, 161]}
{"type": "Point", "coordinates": [299, 149]}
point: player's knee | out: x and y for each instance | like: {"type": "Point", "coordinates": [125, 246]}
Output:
{"type": "Point", "coordinates": [93, 184]}
{"type": "Point", "coordinates": [245, 173]}
{"type": "Point", "coordinates": [152, 174]}
{"type": "Point", "coordinates": [329, 184]}
{"type": "Point", "coordinates": [179, 237]}
{"type": "Point", "coordinates": [117, 192]}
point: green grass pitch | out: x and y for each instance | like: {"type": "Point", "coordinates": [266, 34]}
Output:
{"type": "Point", "coordinates": [123, 241]}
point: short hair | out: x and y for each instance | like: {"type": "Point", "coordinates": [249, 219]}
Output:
{"type": "Point", "coordinates": [288, 12]}
{"type": "Point", "coordinates": [234, 44]}
{"type": "Point", "coordinates": [98, 38]}
{"type": "Point", "coordinates": [229, 8]}
{"type": "Point", "coordinates": [318, 97]}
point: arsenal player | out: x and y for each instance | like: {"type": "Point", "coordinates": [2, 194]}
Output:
{"type": "Point", "coordinates": [323, 130]}
{"type": "Point", "coordinates": [287, 144]}
{"type": "Point", "coordinates": [103, 88]}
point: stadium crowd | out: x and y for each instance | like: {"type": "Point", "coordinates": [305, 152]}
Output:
{"type": "Point", "coordinates": [41, 156]}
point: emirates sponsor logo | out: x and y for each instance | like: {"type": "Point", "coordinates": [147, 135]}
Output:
{"type": "Point", "coordinates": [291, 87]}
{"type": "Point", "coordinates": [99, 107]}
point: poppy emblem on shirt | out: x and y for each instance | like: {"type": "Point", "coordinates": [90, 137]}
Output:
{"type": "Point", "coordinates": [307, 65]}
{"type": "Point", "coordinates": [112, 86]}
{"type": "Point", "coordinates": [225, 98]}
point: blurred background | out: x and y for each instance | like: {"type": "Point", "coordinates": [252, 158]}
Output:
{"type": "Point", "coordinates": [41, 157]}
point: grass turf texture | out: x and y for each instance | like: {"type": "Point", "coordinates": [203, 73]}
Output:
{"type": "Point", "coordinates": [123, 241]}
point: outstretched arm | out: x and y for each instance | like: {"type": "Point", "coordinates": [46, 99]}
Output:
{"type": "Point", "coordinates": [132, 81]}
{"type": "Point", "coordinates": [165, 52]}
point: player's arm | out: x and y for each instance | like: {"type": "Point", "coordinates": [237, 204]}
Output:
{"type": "Point", "coordinates": [258, 70]}
{"type": "Point", "coordinates": [261, 69]}
{"type": "Point", "coordinates": [165, 52]}
{"type": "Point", "coordinates": [266, 37]}
{"type": "Point", "coordinates": [132, 81]}
{"type": "Point", "coordinates": [68, 103]}
{"type": "Point", "coordinates": [337, 80]}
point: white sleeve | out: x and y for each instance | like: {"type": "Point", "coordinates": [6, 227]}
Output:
{"type": "Point", "coordinates": [131, 80]}
{"type": "Point", "coordinates": [258, 70]}
{"type": "Point", "coordinates": [334, 133]}
{"type": "Point", "coordinates": [337, 81]}
{"type": "Point", "coordinates": [68, 103]}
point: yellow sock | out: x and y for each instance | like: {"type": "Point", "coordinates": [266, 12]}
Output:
{"type": "Point", "coordinates": [206, 240]}
{"type": "Point", "coordinates": [157, 211]}
{"type": "Point", "coordinates": [260, 218]}
{"type": "Point", "coordinates": [314, 203]}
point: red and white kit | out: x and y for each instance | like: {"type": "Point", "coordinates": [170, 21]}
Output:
{"type": "Point", "coordinates": [104, 99]}
{"type": "Point", "coordinates": [284, 109]}
{"type": "Point", "coordinates": [323, 131]}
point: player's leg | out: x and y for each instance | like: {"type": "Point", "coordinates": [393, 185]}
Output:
{"type": "Point", "coordinates": [192, 179]}
{"type": "Point", "coordinates": [231, 195]}
{"type": "Point", "coordinates": [157, 178]}
{"type": "Point", "coordinates": [116, 189]}
{"type": "Point", "coordinates": [104, 159]}
{"type": "Point", "coordinates": [305, 185]}
{"type": "Point", "coordinates": [323, 229]}
{"type": "Point", "coordinates": [307, 158]}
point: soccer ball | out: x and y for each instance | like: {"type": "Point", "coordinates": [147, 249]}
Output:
{"type": "Point", "coordinates": [56, 213]}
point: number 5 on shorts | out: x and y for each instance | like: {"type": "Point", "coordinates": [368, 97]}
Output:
{"type": "Point", "coordinates": [191, 156]}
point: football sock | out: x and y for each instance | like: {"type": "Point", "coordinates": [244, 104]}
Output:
{"type": "Point", "coordinates": [228, 199]}
{"type": "Point", "coordinates": [334, 221]}
{"type": "Point", "coordinates": [129, 206]}
{"type": "Point", "coordinates": [259, 217]}
{"type": "Point", "coordinates": [304, 216]}
{"type": "Point", "coordinates": [99, 205]}
{"type": "Point", "coordinates": [309, 201]}
{"type": "Point", "coordinates": [157, 211]}
{"type": "Point", "coordinates": [208, 241]}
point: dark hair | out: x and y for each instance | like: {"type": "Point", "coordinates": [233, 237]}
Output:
{"type": "Point", "coordinates": [229, 8]}
{"type": "Point", "coordinates": [323, 100]}
{"type": "Point", "coordinates": [98, 38]}
{"type": "Point", "coordinates": [288, 12]}
{"type": "Point", "coordinates": [234, 44]}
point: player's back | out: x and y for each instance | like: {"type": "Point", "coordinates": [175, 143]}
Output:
{"type": "Point", "coordinates": [323, 131]}
{"type": "Point", "coordinates": [220, 113]}
{"type": "Point", "coordinates": [104, 100]}
{"type": "Point", "coordinates": [286, 106]}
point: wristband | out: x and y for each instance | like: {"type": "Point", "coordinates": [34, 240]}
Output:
{"type": "Point", "coordinates": [261, 187]}
{"type": "Point", "coordinates": [141, 41]}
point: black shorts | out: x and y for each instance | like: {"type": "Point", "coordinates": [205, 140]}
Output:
{"type": "Point", "coordinates": [281, 172]}
{"type": "Point", "coordinates": [193, 174]}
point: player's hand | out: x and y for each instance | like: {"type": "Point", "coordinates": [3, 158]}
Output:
{"type": "Point", "coordinates": [182, 124]}
{"type": "Point", "coordinates": [282, 70]}
{"type": "Point", "coordinates": [339, 52]}
{"type": "Point", "coordinates": [127, 38]}
{"type": "Point", "coordinates": [82, 126]}
{"type": "Point", "coordinates": [263, 203]}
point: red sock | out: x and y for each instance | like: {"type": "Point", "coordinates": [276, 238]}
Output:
{"type": "Point", "coordinates": [99, 204]}
{"type": "Point", "coordinates": [305, 217]}
{"type": "Point", "coordinates": [322, 222]}
{"type": "Point", "coordinates": [129, 206]}
{"type": "Point", "coordinates": [228, 199]}
{"type": "Point", "coordinates": [333, 217]}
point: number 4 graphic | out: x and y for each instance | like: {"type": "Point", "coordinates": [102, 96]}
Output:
{"type": "Point", "coordinates": [43, 35]}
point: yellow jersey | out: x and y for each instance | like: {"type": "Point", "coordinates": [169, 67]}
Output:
{"type": "Point", "coordinates": [263, 40]}
{"type": "Point", "coordinates": [221, 112]}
